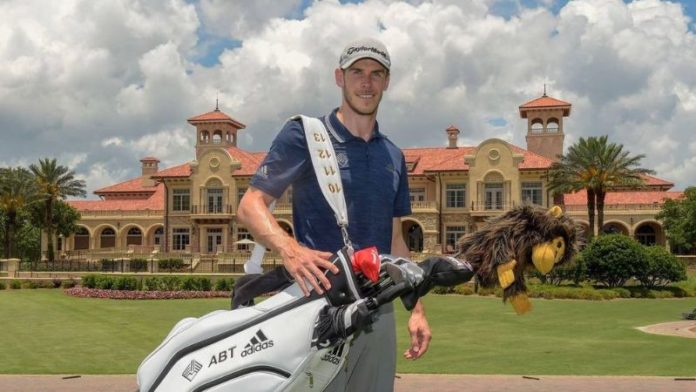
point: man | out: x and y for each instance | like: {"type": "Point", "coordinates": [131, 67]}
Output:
{"type": "Point", "coordinates": [375, 184]}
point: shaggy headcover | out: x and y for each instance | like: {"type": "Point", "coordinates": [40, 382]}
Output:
{"type": "Point", "coordinates": [522, 238]}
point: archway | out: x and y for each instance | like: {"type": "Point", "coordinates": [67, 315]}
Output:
{"type": "Point", "coordinates": [107, 238]}
{"type": "Point", "coordinates": [81, 238]}
{"type": "Point", "coordinates": [134, 236]}
{"type": "Point", "coordinates": [615, 228]}
{"type": "Point", "coordinates": [649, 233]}
{"type": "Point", "coordinates": [413, 235]}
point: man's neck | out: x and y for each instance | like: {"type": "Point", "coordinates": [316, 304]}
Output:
{"type": "Point", "coordinates": [358, 125]}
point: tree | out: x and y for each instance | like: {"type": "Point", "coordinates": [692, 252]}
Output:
{"type": "Point", "coordinates": [613, 259]}
{"type": "Point", "coordinates": [17, 191]}
{"type": "Point", "coordinates": [679, 220]}
{"type": "Point", "coordinates": [54, 182]}
{"type": "Point", "coordinates": [595, 165]}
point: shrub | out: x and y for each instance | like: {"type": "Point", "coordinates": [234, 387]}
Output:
{"type": "Point", "coordinates": [138, 265]}
{"type": "Point", "coordinates": [128, 283]}
{"type": "Point", "coordinates": [442, 290]}
{"type": "Point", "coordinates": [15, 284]}
{"type": "Point", "coordinates": [464, 289]}
{"type": "Point", "coordinates": [170, 283]}
{"type": "Point", "coordinates": [612, 259]}
{"type": "Point", "coordinates": [151, 283]}
{"type": "Point", "coordinates": [2, 285]}
{"type": "Point", "coordinates": [56, 283]}
{"type": "Point", "coordinates": [29, 284]}
{"type": "Point", "coordinates": [224, 284]}
{"type": "Point", "coordinates": [103, 282]}
{"type": "Point", "coordinates": [190, 283]}
{"type": "Point", "coordinates": [89, 281]}
{"type": "Point", "coordinates": [661, 268]}
{"type": "Point", "coordinates": [574, 271]}
{"type": "Point", "coordinates": [68, 284]}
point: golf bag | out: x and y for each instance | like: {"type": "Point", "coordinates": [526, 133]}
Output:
{"type": "Point", "coordinates": [290, 342]}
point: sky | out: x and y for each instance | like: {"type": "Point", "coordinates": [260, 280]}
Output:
{"type": "Point", "coordinates": [100, 84]}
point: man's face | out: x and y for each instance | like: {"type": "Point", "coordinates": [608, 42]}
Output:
{"type": "Point", "coordinates": [363, 84]}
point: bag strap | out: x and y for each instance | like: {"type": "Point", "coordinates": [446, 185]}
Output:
{"type": "Point", "coordinates": [328, 175]}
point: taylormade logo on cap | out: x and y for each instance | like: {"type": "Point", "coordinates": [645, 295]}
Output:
{"type": "Point", "coordinates": [364, 48]}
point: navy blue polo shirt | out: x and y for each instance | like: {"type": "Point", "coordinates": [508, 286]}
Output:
{"type": "Point", "coordinates": [375, 183]}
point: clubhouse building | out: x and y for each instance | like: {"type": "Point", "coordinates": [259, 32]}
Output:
{"type": "Point", "coordinates": [190, 209]}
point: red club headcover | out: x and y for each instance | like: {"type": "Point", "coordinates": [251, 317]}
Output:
{"type": "Point", "coordinates": [367, 261]}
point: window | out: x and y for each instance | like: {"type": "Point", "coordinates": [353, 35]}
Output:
{"type": "Point", "coordinates": [159, 233]}
{"type": "Point", "coordinates": [244, 239]}
{"type": "Point", "coordinates": [240, 194]}
{"type": "Point", "coordinates": [646, 235]}
{"type": "Point", "coordinates": [531, 193]}
{"type": "Point", "coordinates": [452, 235]}
{"type": "Point", "coordinates": [214, 200]}
{"type": "Point", "coordinates": [456, 195]}
{"type": "Point", "coordinates": [108, 238]}
{"type": "Point", "coordinates": [181, 238]}
{"type": "Point", "coordinates": [494, 196]}
{"type": "Point", "coordinates": [182, 200]}
{"type": "Point", "coordinates": [134, 236]}
{"type": "Point", "coordinates": [81, 238]}
{"type": "Point", "coordinates": [417, 194]}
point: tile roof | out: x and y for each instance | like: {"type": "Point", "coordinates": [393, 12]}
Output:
{"type": "Point", "coordinates": [215, 116]}
{"type": "Point", "coordinates": [134, 185]}
{"type": "Point", "coordinates": [154, 202]}
{"type": "Point", "coordinates": [545, 102]}
{"type": "Point", "coordinates": [183, 170]}
{"type": "Point", "coordinates": [531, 160]}
{"type": "Point", "coordinates": [250, 160]}
{"type": "Point", "coordinates": [626, 197]}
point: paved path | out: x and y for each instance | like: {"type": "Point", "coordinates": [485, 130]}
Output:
{"type": "Point", "coordinates": [404, 383]}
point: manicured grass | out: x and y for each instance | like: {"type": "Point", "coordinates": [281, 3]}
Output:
{"type": "Point", "coordinates": [45, 331]}
{"type": "Point", "coordinates": [478, 335]}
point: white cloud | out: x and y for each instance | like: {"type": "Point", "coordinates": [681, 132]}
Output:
{"type": "Point", "coordinates": [111, 82]}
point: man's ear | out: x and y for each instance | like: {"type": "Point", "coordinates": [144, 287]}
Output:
{"type": "Point", "coordinates": [338, 75]}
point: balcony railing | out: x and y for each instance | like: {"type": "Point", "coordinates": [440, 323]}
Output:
{"type": "Point", "coordinates": [211, 209]}
{"type": "Point", "coordinates": [423, 205]}
{"type": "Point", "coordinates": [123, 213]}
{"type": "Point", "coordinates": [482, 206]}
{"type": "Point", "coordinates": [615, 207]}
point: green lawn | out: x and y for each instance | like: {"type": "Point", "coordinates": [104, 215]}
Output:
{"type": "Point", "coordinates": [45, 331]}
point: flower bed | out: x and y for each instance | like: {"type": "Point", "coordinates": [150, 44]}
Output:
{"type": "Point", "coordinates": [131, 294]}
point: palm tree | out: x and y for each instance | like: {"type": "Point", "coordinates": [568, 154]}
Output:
{"type": "Point", "coordinates": [54, 182]}
{"type": "Point", "coordinates": [17, 190]}
{"type": "Point", "coordinates": [595, 165]}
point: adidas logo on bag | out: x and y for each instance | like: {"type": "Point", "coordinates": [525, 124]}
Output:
{"type": "Point", "coordinates": [257, 343]}
{"type": "Point", "coordinates": [334, 356]}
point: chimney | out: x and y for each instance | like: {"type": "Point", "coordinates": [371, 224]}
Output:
{"type": "Point", "coordinates": [149, 167]}
{"type": "Point", "coordinates": [452, 136]}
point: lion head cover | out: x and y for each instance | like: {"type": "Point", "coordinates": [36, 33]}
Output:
{"type": "Point", "coordinates": [507, 245]}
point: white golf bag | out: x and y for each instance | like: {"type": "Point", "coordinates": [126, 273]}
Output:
{"type": "Point", "coordinates": [290, 342]}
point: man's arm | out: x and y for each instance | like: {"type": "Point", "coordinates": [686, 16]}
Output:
{"type": "Point", "coordinates": [301, 262]}
{"type": "Point", "coordinates": [418, 326]}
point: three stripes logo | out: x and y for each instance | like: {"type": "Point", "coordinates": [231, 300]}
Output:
{"type": "Point", "coordinates": [334, 356]}
{"type": "Point", "coordinates": [191, 370]}
{"type": "Point", "coordinates": [257, 343]}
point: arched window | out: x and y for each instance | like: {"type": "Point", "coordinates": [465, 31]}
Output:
{"type": "Point", "coordinates": [646, 235]}
{"type": "Point", "coordinates": [134, 236]}
{"type": "Point", "coordinates": [107, 238]}
{"type": "Point", "coordinates": [217, 137]}
{"type": "Point", "coordinates": [205, 137]}
{"type": "Point", "coordinates": [159, 235]}
{"type": "Point", "coordinates": [552, 125]}
{"type": "Point", "coordinates": [81, 239]}
{"type": "Point", "coordinates": [537, 126]}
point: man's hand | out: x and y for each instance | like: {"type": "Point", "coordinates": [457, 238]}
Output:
{"type": "Point", "coordinates": [305, 264]}
{"type": "Point", "coordinates": [420, 333]}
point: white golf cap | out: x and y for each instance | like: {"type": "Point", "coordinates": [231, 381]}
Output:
{"type": "Point", "coordinates": [364, 48]}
